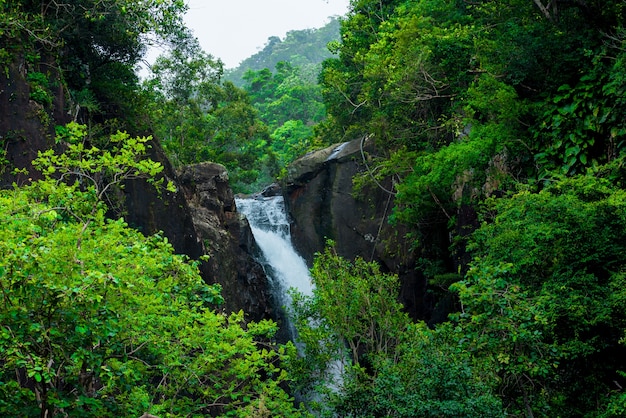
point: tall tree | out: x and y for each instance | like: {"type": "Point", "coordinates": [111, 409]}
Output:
{"type": "Point", "coordinates": [94, 44]}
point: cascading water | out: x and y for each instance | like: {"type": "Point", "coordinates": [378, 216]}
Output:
{"type": "Point", "coordinates": [283, 265]}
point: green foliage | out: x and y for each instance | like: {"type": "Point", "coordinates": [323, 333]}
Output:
{"type": "Point", "coordinates": [99, 320]}
{"type": "Point", "coordinates": [583, 125]}
{"type": "Point", "coordinates": [432, 376]}
{"type": "Point", "coordinates": [386, 80]}
{"type": "Point", "coordinates": [290, 141]}
{"type": "Point", "coordinates": [369, 319]}
{"type": "Point", "coordinates": [469, 101]}
{"type": "Point", "coordinates": [503, 322]}
{"type": "Point", "coordinates": [353, 307]}
{"type": "Point", "coordinates": [285, 95]}
{"type": "Point", "coordinates": [580, 219]}
{"type": "Point", "coordinates": [424, 75]}
{"type": "Point", "coordinates": [39, 89]}
{"type": "Point", "coordinates": [100, 170]}
{"type": "Point", "coordinates": [200, 118]}
{"type": "Point", "coordinates": [541, 326]}
{"type": "Point", "coordinates": [540, 331]}
{"type": "Point", "coordinates": [391, 367]}
{"type": "Point", "coordinates": [433, 185]}
{"type": "Point", "coordinates": [290, 105]}
{"type": "Point", "coordinates": [544, 295]}
{"type": "Point", "coordinates": [94, 44]}
{"type": "Point", "coordinates": [617, 404]}
{"type": "Point", "coordinates": [466, 101]}
{"type": "Point", "coordinates": [304, 49]}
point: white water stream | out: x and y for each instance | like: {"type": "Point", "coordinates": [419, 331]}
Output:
{"type": "Point", "coordinates": [270, 227]}
{"type": "Point", "coordinates": [284, 267]}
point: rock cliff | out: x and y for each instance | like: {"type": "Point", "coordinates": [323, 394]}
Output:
{"type": "Point", "coordinates": [323, 204]}
{"type": "Point", "coordinates": [194, 224]}
{"type": "Point", "coordinates": [227, 239]}
{"type": "Point", "coordinates": [25, 125]}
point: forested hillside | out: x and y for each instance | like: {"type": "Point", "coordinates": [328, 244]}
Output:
{"type": "Point", "coordinates": [96, 318]}
{"type": "Point", "coordinates": [502, 125]}
{"type": "Point", "coordinates": [255, 119]}
{"type": "Point", "coordinates": [305, 48]}
{"type": "Point", "coordinates": [499, 131]}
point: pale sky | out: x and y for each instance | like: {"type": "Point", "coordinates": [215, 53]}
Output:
{"type": "Point", "coordinates": [233, 30]}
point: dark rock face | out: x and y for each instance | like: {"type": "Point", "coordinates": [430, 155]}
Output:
{"type": "Point", "coordinates": [320, 200]}
{"type": "Point", "coordinates": [25, 126]}
{"type": "Point", "coordinates": [272, 190]}
{"type": "Point", "coordinates": [151, 212]}
{"type": "Point", "coordinates": [227, 239]}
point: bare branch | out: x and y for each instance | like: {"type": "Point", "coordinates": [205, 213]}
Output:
{"type": "Point", "coordinates": [543, 9]}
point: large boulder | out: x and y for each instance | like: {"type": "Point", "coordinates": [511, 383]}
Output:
{"type": "Point", "coordinates": [323, 204]}
{"type": "Point", "coordinates": [227, 239]}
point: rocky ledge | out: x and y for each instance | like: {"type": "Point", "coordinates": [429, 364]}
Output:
{"type": "Point", "coordinates": [323, 204]}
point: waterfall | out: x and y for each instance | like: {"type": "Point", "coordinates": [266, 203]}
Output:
{"type": "Point", "coordinates": [284, 267]}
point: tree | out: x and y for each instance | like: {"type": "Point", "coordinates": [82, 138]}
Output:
{"type": "Point", "coordinates": [290, 105]}
{"type": "Point", "coordinates": [198, 117]}
{"type": "Point", "coordinates": [99, 320]}
{"type": "Point", "coordinates": [91, 47]}
{"type": "Point", "coordinates": [354, 307]}
{"type": "Point", "coordinates": [284, 95]}
{"type": "Point", "coordinates": [290, 141]}
{"type": "Point", "coordinates": [304, 49]}
{"type": "Point", "coordinates": [544, 294]}
{"type": "Point", "coordinates": [467, 99]}
{"type": "Point", "coordinates": [390, 367]}
{"type": "Point", "coordinates": [582, 126]}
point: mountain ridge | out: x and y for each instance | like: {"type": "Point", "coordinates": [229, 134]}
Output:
{"type": "Point", "coordinates": [304, 48]}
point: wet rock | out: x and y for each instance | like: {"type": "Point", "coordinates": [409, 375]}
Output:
{"type": "Point", "coordinates": [272, 190]}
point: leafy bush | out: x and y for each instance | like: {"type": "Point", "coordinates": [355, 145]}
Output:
{"type": "Point", "coordinates": [99, 320]}
{"type": "Point", "coordinates": [39, 88]}
{"type": "Point", "coordinates": [545, 294]}
{"type": "Point", "coordinates": [363, 357]}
